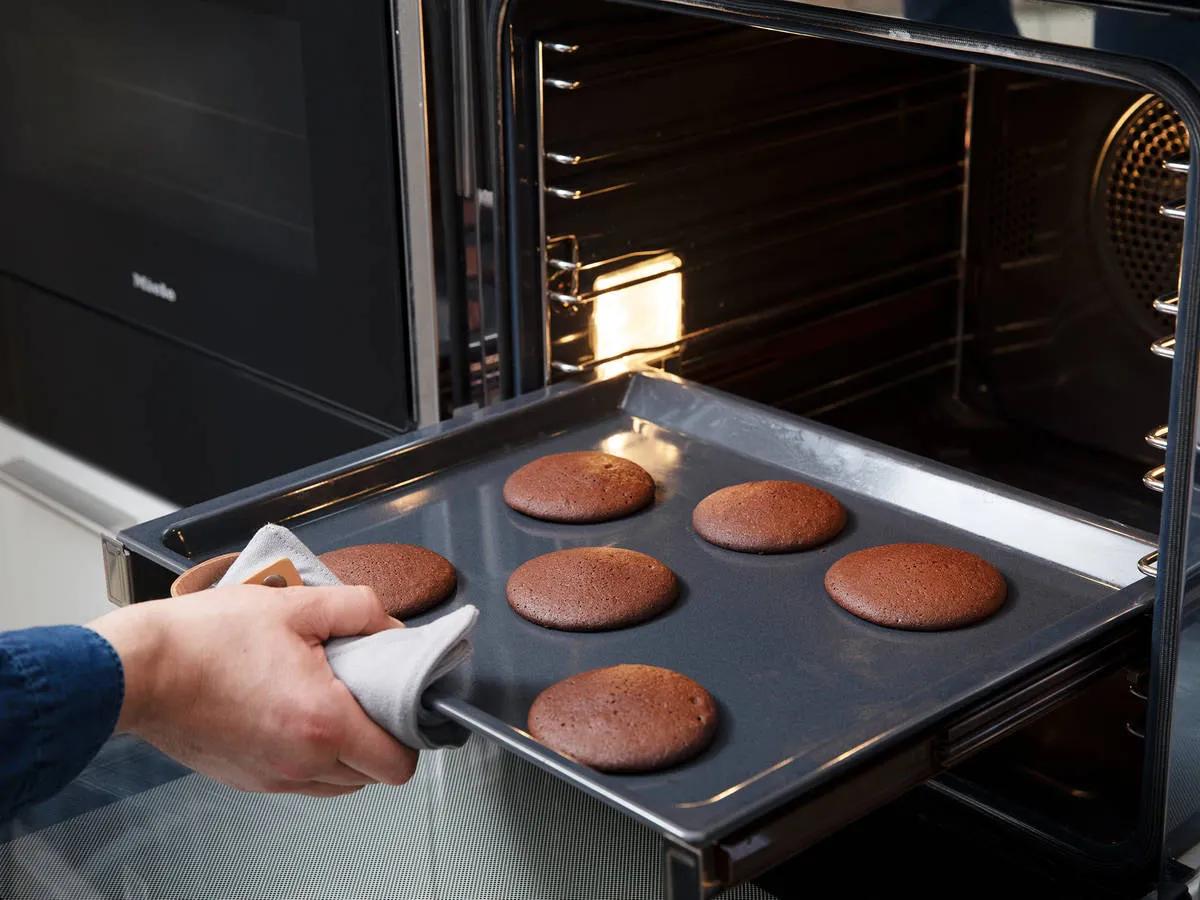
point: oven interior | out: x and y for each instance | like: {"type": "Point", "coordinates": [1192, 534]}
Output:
{"type": "Point", "coordinates": [973, 264]}
{"type": "Point", "coordinates": [956, 260]}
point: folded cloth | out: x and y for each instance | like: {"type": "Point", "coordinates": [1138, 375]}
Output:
{"type": "Point", "coordinates": [270, 544]}
{"type": "Point", "coordinates": [395, 674]}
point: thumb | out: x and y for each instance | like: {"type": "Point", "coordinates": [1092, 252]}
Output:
{"type": "Point", "coordinates": [342, 611]}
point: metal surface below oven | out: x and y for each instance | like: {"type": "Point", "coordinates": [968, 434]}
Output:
{"type": "Point", "coordinates": [817, 706]}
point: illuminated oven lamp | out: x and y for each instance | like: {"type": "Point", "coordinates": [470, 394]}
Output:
{"type": "Point", "coordinates": [646, 314]}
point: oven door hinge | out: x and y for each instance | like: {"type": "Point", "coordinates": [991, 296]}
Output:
{"type": "Point", "coordinates": [118, 574]}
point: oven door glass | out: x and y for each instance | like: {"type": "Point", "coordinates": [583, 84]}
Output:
{"type": "Point", "coordinates": [223, 172]}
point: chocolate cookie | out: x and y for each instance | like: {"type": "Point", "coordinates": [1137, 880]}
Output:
{"type": "Point", "coordinates": [578, 487]}
{"type": "Point", "coordinates": [919, 587]}
{"type": "Point", "coordinates": [407, 579]}
{"type": "Point", "coordinates": [591, 588]}
{"type": "Point", "coordinates": [768, 517]}
{"type": "Point", "coordinates": [629, 718]}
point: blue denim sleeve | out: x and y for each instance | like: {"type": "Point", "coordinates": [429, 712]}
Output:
{"type": "Point", "coordinates": [61, 690]}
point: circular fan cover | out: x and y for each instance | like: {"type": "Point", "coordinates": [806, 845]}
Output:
{"type": "Point", "coordinates": [1142, 246]}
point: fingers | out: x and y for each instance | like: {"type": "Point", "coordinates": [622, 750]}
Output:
{"type": "Point", "coordinates": [344, 611]}
{"type": "Point", "coordinates": [338, 772]}
{"type": "Point", "coordinates": [370, 750]}
{"type": "Point", "coordinates": [313, 788]}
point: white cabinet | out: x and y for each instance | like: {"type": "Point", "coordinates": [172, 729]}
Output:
{"type": "Point", "coordinates": [53, 510]}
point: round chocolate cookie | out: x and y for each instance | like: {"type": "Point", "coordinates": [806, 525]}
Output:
{"type": "Point", "coordinates": [591, 588]}
{"type": "Point", "coordinates": [629, 718]}
{"type": "Point", "coordinates": [407, 579]}
{"type": "Point", "coordinates": [578, 487]}
{"type": "Point", "coordinates": [768, 517]}
{"type": "Point", "coordinates": [918, 587]}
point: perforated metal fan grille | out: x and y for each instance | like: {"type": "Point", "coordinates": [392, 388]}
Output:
{"type": "Point", "coordinates": [1013, 218]}
{"type": "Point", "coordinates": [474, 824]}
{"type": "Point", "coordinates": [1144, 245]}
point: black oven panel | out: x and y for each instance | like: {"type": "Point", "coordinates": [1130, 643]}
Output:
{"type": "Point", "coordinates": [223, 173]}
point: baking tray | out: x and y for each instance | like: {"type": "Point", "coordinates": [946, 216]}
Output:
{"type": "Point", "coordinates": [807, 693]}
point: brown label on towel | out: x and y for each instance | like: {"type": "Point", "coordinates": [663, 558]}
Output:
{"type": "Point", "coordinates": [281, 573]}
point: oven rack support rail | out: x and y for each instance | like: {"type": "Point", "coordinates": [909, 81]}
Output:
{"type": "Point", "coordinates": [1164, 347]}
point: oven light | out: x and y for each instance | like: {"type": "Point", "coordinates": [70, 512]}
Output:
{"type": "Point", "coordinates": [648, 313]}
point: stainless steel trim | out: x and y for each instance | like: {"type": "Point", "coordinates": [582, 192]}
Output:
{"type": "Point", "coordinates": [562, 84]}
{"type": "Point", "coordinates": [1148, 564]}
{"type": "Point", "coordinates": [63, 498]}
{"type": "Point", "coordinates": [1177, 209]}
{"type": "Point", "coordinates": [1155, 479]}
{"type": "Point", "coordinates": [565, 159]}
{"type": "Point", "coordinates": [416, 195]}
{"type": "Point", "coordinates": [1180, 164]}
{"type": "Point", "coordinates": [1157, 438]}
{"type": "Point", "coordinates": [464, 146]}
{"type": "Point", "coordinates": [117, 574]}
{"type": "Point", "coordinates": [1167, 304]}
{"type": "Point", "coordinates": [1164, 347]}
{"type": "Point", "coordinates": [561, 48]}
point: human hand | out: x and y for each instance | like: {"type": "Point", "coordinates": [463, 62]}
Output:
{"type": "Point", "coordinates": [233, 682]}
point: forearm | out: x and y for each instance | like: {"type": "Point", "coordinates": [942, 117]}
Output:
{"type": "Point", "coordinates": [233, 683]}
{"type": "Point", "coordinates": [61, 692]}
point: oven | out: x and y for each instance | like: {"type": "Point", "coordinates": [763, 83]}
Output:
{"type": "Point", "coordinates": [214, 193]}
{"type": "Point", "coordinates": [938, 256]}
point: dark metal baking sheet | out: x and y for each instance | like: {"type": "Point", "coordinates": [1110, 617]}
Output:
{"type": "Point", "coordinates": [806, 691]}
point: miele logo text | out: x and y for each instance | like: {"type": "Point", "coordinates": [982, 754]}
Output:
{"type": "Point", "coordinates": [150, 286]}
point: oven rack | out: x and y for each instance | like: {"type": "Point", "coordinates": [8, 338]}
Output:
{"type": "Point", "coordinates": [923, 273]}
{"type": "Point", "coordinates": [570, 278]}
{"type": "Point", "coordinates": [597, 43]}
{"type": "Point", "coordinates": [591, 63]}
{"type": "Point", "coordinates": [1164, 347]}
{"type": "Point", "coordinates": [712, 247]}
{"type": "Point", "coordinates": [672, 172]}
{"type": "Point", "coordinates": [923, 276]}
{"type": "Point", "coordinates": [586, 178]}
{"type": "Point", "coordinates": [855, 100]}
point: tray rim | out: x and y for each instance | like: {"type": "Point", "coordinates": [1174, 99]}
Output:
{"type": "Point", "coordinates": [595, 396]}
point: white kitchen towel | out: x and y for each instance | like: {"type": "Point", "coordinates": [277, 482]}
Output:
{"type": "Point", "coordinates": [394, 675]}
